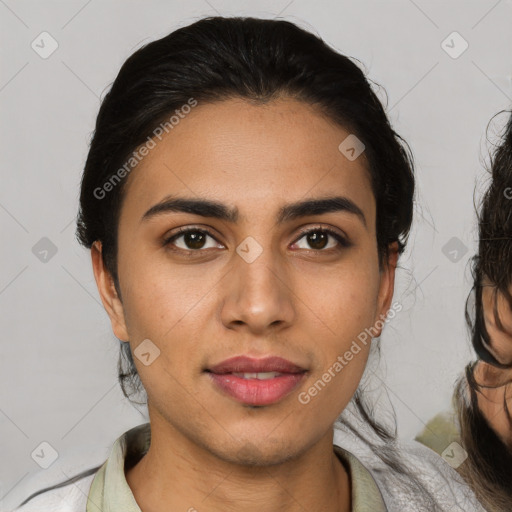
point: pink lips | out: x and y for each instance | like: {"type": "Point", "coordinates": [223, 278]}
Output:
{"type": "Point", "coordinates": [254, 391]}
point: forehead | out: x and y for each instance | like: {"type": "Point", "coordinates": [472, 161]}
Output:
{"type": "Point", "coordinates": [250, 155]}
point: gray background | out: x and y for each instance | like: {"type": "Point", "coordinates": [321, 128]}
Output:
{"type": "Point", "coordinates": [58, 364]}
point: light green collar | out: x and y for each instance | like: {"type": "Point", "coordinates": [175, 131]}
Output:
{"type": "Point", "coordinates": [110, 492]}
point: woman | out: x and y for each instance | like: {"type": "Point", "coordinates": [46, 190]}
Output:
{"type": "Point", "coordinates": [481, 420]}
{"type": "Point", "coordinates": [484, 407]}
{"type": "Point", "coordinates": [245, 201]}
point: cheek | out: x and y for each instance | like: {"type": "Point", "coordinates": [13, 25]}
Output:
{"type": "Point", "coordinates": [341, 313]}
{"type": "Point", "coordinates": [333, 383]}
{"type": "Point", "coordinates": [164, 311]}
{"type": "Point", "coordinates": [173, 322]}
{"type": "Point", "coordinates": [157, 295]}
{"type": "Point", "coordinates": [344, 300]}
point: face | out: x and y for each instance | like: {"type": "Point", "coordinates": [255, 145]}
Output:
{"type": "Point", "coordinates": [501, 338]}
{"type": "Point", "coordinates": [496, 381]}
{"type": "Point", "coordinates": [300, 285]}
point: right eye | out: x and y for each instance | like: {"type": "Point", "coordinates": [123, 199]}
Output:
{"type": "Point", "coordinates": [193, 240]}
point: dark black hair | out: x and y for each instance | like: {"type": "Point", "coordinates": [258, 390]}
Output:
{"type": "Point", "coordinates": [259, 60]}
{"type": "Point", "coordinates": [493, 263]}
{"type": "Point", "coordinates": [489, 466]}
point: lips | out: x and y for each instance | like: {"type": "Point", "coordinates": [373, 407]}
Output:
{"type": "Point", "coordinates": [244, 364]}
{"type": "Point", "coordinates": [256, 382]}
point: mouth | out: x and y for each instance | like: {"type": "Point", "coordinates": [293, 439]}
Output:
{"type": "Point", "coordinates": [246, 364]}
{"type": "Point", "coordinates": [256, 382]}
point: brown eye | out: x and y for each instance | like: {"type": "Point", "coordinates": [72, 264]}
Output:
{"type": "Point", "coordinates": [318, 239]}
{"type": "Point", "coordinates": [192, 239]}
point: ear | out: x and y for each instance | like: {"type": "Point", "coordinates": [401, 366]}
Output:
{"type": "Point", "coordinates": [386, 287]}
{"type": "Point", "coordinates": [495, 303]}
{"type": "Point", "coordinates": [108, 294]}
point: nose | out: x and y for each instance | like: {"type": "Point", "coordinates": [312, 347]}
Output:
{"type": "Point", "coordinates": [258, 295]}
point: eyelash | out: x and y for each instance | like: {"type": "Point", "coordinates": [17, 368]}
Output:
{"type": "Point", "coordinates": [343, 242]}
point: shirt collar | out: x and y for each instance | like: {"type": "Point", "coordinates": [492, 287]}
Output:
{"type": "Point", "coordinates": [110, 491]}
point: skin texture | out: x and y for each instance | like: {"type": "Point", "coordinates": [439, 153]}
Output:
{"type": "Point", "coordinates": [209, 451]}
{"type": "Point", "coordinates": [496, 382]}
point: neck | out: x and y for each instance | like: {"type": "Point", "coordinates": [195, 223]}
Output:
{"type": "Point", "coordinates": [176, 474]}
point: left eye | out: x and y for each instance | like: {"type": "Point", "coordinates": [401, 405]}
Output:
{"type": "Point", "coordinates": [318, 239]}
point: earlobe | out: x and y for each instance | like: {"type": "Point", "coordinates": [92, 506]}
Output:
{"type": "Point", "coordinates": [108, 294]}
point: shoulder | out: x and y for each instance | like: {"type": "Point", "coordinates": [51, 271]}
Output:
{"type": "Point", "coordinates": [68, 496]}
{"type": "Point", "coordinates": [423, 467]}
{"type": "Point", "coordinates": [438, 477]}
{"type": "Point", "coordinates": [439, 469]}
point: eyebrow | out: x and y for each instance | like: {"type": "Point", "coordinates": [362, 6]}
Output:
{"type": "Point", "coordinates": [289, 212]}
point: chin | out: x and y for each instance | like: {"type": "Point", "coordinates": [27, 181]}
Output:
{"type": "Point", "coordinates": [258, 454]}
